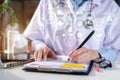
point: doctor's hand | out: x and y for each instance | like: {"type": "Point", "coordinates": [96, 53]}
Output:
{"type": "Point", "coordinates": [43, 52]}
{"type": "Point", "coordinates": [83, 55]}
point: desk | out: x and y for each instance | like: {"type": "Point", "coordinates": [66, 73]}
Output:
{"type": "Point", "coordinates": [16, 73]}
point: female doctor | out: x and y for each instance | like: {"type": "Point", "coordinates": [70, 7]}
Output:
{"type": "Point", "coordinates": [60, 26]}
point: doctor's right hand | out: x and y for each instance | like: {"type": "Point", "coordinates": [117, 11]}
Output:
{"type": "Point", "coordinates": [43, 53]}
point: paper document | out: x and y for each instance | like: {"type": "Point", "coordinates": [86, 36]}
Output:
{"type": "Point", "coordinates": [60, 63]}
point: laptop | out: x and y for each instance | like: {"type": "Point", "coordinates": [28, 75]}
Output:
{"type": "Point", "coordinates": [61, 65]}
{"type": "Point", "coordinates": [20, 59]}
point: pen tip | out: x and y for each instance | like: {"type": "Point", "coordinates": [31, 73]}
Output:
{"type": "Point", "coordinates": [68, 59]}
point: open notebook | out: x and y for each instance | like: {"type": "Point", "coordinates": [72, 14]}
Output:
{"type": "Point", "coordinates": [61, 65]}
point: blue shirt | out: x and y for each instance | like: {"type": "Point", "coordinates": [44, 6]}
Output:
{"type": "Point", "coordinates": [78, 3]}
{"type": "Point", "coordinates": [62, 29]}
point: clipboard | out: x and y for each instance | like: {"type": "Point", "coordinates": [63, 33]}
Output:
{"type": "Point", "coordinates": [59, 66]}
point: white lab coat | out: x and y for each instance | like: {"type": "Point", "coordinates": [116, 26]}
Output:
{"type": "Point", "coordinates": [64, 34]}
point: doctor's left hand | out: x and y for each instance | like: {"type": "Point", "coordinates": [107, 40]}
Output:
{"type": "Point", "coordinates": [83, 55]}
{"type": "Point", "coordinates": [43, 53]}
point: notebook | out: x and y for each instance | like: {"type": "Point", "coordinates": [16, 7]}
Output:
{"type": "Point", "coordinates": [61, 65]}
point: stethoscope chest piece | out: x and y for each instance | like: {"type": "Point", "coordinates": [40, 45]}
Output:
{"type": "Point", "coordinates": [88, 23]}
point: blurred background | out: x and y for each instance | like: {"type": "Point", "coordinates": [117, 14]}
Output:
{"type": "Point", "coordinates": [23, 9]}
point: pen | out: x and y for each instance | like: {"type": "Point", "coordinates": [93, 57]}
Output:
{"type": "Point", "coordinates": [86, 39]}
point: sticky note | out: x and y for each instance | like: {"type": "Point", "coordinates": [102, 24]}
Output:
{"type": "Point", "coordinates": [73, 66]}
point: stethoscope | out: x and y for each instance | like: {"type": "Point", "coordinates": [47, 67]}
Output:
{"type": "Point", "coordinates": [62, 9]}
{"type": "Point", "coordinates": [65, 21]}
{"type": "Point", "coordinates": [89, 21]}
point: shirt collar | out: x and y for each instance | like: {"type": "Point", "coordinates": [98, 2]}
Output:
{"type": "Point", "coordinates": [77, 3]}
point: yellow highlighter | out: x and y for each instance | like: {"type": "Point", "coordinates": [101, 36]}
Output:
{"type": "Point", "coordinates": [73, 66]}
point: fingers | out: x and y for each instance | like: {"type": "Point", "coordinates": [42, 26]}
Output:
{"type": "Point", "coordinates": [43, 53]}
{"type": "Point", "coordinates": [77, 53]}
{"type": "Point", "coordinates": [52, 54]}
{"type": "Point", "coordinates": [35, 55]}
{"type": "Point", "coordinates": [71, 53]}
{"type": "Point", "coordinates": [38, 55]}
{"type": "Point", "coordinates": [83, 58]}
{"type": "Point", "coordinates": [83, 55]}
